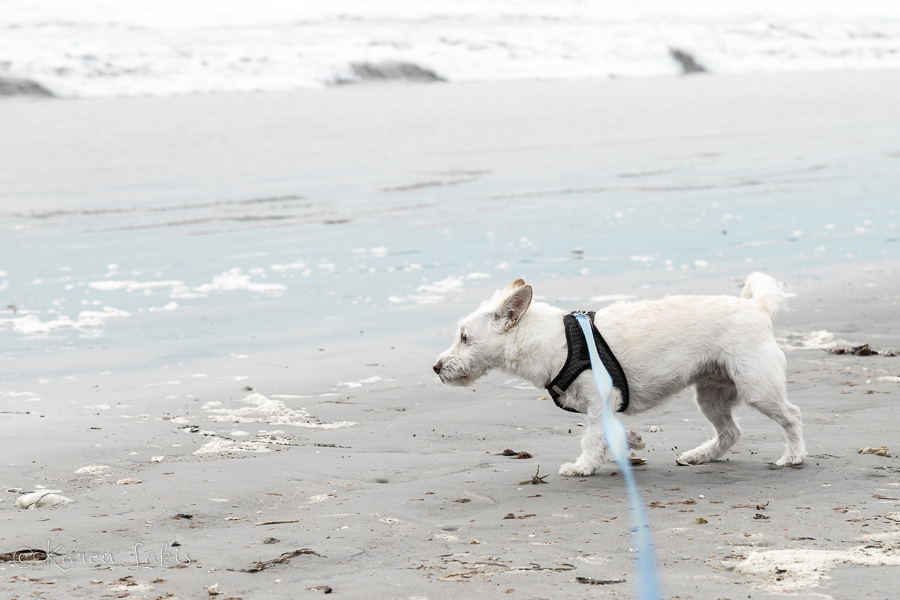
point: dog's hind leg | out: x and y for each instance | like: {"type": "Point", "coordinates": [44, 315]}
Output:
{"type": "Point", "coordinates": [716, 396]}
{"type": "Point", "coordinates": [767, 394]}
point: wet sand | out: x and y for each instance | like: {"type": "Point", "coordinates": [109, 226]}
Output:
{"type": "Point", "coordinates": [341, 451]}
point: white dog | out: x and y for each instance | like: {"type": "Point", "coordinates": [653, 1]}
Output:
{"type": "Point", "coordinates": [722, 345]}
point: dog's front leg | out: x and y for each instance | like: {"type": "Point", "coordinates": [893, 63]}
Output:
{"type": "Point", "coordinates": [593, 446]}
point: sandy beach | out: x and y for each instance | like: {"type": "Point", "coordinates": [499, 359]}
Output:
{"type": "Point", "coordinates": [222, 312]}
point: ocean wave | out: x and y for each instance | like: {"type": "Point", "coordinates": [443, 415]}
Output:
{"type": "Point", "coordinates": [108, 48]}
{"type": "Point", "coordinates": [390, 70]}
{"type": "Point", "coordinates": [14, 86]}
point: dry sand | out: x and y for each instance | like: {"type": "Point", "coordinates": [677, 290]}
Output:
{"type": "Point", "coordinates": [348, 459]}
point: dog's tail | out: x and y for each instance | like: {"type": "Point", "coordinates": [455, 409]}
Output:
{"type": "Point", "coordinates": [765, 290]}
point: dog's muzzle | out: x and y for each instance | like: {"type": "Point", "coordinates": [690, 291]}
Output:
{"type": "Point", "coordinates": [449, 372]}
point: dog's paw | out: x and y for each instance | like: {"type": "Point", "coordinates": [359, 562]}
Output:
{"type": "Point", "coordinates": [574, 470]}
{"type": "Point", "coordinates": [691, 458]}
{"type": "Point", "coordinates": [789, 460]}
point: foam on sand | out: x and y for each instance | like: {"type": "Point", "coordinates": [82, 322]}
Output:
{"type": "Point", "coordinates": [256, 408]}
{"type": "Point", "coordinates": [294, 266]}
{"type": "Point", "coordinates": [260, 409]}
{"type": "Point", "coordinates": [236, 279]}
{"type": "Point", "coordinates": [820, 339]}
{"type": "Point", "coordinates": [92, 470]}
{"type": "Point", "coordinates": [220, 445]}
{"type": "Point", "coordinates": [792, 570]}
{"type": "Point", "coordinates": [360, 383]}
{"type": "Point", "coordinates": [110, 285]}
{"type": "Point", "coordinates": [432, 293]}
{"type": "Point", "coordinates": [87, 321]}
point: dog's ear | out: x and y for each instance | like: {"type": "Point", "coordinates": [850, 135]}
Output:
{"type": "Point", "coordinates": [515, 306]}
{"type": "Point", "coordinates": [517, 284]}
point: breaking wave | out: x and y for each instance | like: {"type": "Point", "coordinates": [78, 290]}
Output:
{"type": "Point", "coordinates": [166, 47]}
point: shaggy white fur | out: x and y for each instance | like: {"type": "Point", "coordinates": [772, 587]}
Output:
{"type": "Point", "coordinates": [722, 345]}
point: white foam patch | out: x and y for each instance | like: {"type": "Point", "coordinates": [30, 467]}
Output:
{"type": "Point", "coordinates": [235, 279]}
{"type": "Point", "coordinates": [26, 395]}
{"type": "Point", "coordinates": [797, 569]}
{"type": "Point", "coordinates": [131, 587]}
{"type": "Point", "coordinates": [611, 298]}
{"type": "Point", "coordinates": [88, 320]}
{"type": "Point", "coordinates": [294, 266]}
{"type": "Point", "coordinates": [320, 498]}
{"type": "Point", "coordinates": [591, 559]}
{"type": "Point", "coordinates": [432, 293]}
{"type": "Point", "coordinates": [385, 519]}
{"type": "Point", "coordinates": [225, 446]}
{"type": "Point", "coordinates": [99, 316]}
{"type": "Point", "coordinates": [360, 383]}
{"type": "Point", "coordinates": [92, 470]}
{"type": "Point", "coordinates": [890, 378]}
{"type": "Point", "coordinates": [260, 409]}
{"type": "Point", "coordinates": [134, 286]}
{"type": "Point", "coordinates": [819, 339]}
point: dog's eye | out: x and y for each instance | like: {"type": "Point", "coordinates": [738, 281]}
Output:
{"type": "Point", "coordinates": [463, 338]}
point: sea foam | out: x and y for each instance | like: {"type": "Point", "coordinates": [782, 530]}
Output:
{"type": "Point", "coordinates": [166, 47]}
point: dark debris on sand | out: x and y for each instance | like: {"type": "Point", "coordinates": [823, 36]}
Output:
{"type": "Point", "coordinates": [864, 350]}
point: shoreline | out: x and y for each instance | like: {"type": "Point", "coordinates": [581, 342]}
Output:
{"type": "Point", "coordinates": [389, 202]}
{"type": "Point", "coordinates": [25, 89]}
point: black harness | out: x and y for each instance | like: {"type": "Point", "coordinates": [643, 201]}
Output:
{"type": "Point", "coordinates": [579, 360]}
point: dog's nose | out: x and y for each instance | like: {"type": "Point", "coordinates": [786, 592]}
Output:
{"type": "Point", "coordinates": [437, 367]}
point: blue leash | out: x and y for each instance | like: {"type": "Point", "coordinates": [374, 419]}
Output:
{"type": "Point", "coordinates": [649, 587]}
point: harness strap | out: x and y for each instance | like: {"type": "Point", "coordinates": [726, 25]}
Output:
{"type": "Point", "coordinates": [578, 360]}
